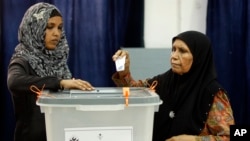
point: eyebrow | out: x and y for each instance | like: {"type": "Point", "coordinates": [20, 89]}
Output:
{"type": "Point", "coordinates": [52, 23]}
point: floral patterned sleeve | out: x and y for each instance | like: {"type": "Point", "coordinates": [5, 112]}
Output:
{"type": "Point", "coordinates": [128, 81]}
{"type": "Point", "coordinates": [219, 120]}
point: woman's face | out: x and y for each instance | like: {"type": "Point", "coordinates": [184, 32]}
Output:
{"type": "Point", "coordinates": [53, 32]}
{"type": "Point", "coordinates": [181, 57]}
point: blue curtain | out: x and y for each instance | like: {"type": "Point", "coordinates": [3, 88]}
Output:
{"type": "Point", "coordinates": [228, 26]}
{"type": "Point", "coordinates": [95, 29]}
{"type": "Point", "coordinates": [94, 36]}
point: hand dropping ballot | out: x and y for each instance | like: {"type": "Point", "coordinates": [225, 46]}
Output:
{"type": "Point", "coordinates": [120, 63]}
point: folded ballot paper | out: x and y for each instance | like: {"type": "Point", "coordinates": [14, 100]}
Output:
{"type": "Point", "coordinates": [120, 63]}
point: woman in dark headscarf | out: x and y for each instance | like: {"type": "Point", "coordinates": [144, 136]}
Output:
{"type": "Point", "coordinates": [40, 59]}
{"type": "Point", "coordinates": [195, 106]}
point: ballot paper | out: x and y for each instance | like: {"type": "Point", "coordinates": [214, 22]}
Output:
{"type": "Point", "coordinates": [120, 63]}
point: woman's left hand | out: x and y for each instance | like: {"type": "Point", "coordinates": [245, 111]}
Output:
{"type": "Point", "coordinates": [76, 84]}
{"type": "Point", "coordinates": [182, 138]}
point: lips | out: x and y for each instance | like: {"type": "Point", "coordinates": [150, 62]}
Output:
{"type": "Point", "coordinates": [175, 65]}
{"type": "Point", "coordinates": [55, 41]}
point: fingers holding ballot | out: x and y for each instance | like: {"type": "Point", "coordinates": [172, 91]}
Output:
{"type": "Point", "coordinates": [122, 62]}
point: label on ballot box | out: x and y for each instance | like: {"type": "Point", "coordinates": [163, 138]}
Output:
{"type": "Point", "coordinates": [99, 134]}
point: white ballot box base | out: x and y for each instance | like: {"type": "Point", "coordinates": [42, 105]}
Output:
{"type": "Point", "coordinates": [99, 115]}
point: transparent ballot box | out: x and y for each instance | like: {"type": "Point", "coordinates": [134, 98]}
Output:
{"type": "Point", "coordinates": [104, 114]}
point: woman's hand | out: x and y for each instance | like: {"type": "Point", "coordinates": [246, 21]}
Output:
{"type": "Point", "coordinates": [182, 138]}
{"type": "Point", "coordinates": [76, 84]}
{"type": "Point", "coordinates": [119, 54]}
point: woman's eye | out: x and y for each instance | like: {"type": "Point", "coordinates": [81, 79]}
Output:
{"type": "Point", "coordinates": [60, 27]}
{"type": "Point", "coordinates": [49, 27]}
{"type": "Point", "coordinates": [182, 50]}
{"type": "Point", "coordinates": [173, 49]}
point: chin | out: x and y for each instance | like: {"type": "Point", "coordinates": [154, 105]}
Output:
{"type": "Point", "coordinates": [177, 72]}
{"type": "Point", "coordinates": [51, 47]}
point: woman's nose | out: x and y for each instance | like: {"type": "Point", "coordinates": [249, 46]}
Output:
{"type": "Point", "coordinates": [174, 54]}
{"type": "Point", "coordinates": [56, 32]}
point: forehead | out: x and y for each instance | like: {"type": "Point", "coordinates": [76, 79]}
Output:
{"type": "Point", "coordinates": [55, 20]}
{"type": "Point", "coordinates": [179, 43]}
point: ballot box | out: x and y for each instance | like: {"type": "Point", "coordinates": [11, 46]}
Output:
{"type": "Point", "coordinates": [104, 114]}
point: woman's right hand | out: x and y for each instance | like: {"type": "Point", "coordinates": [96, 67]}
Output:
{"type": "Point", "coordinates": [120, 53]}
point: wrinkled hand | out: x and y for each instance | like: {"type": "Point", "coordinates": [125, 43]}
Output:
{"type": "Point", "coordinates": [182, 138]}
{"type": "Point", "coordinates": [119, 54]}
{"type": "Point", "coordinates": [76, 84]}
